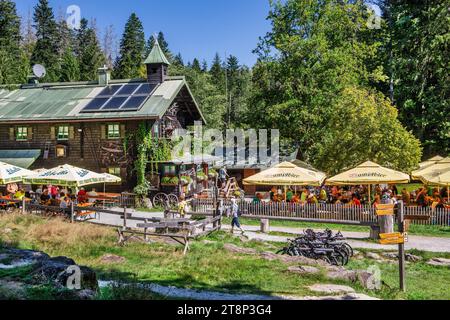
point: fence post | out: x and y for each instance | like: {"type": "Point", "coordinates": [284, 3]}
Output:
{"type": "Point", "coordinates": [23, 205]}
{"type": "Point", "coordinates": [72, 212]}
{"type": "Point", "coordinates": [401, 247]}
{"type": "Point", "coordinates": [124, 217]}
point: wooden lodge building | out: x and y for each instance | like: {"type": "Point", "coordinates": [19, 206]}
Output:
{"type": "Point", "coordinates": [86, 123]}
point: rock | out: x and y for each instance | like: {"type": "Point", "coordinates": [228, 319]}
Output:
{"type": "Point", "coordinates": [346, 275]}
{"type": "Point", "coordinates": [57, 270]}
{"type": "Point", "coordinates": [85, 294]}
{"type": "Point", "coordinates": [304, 269]}
{"type": "Point", "coordinates": [331, 288]}
{"type": "Point", "coordinates": [390, 255]}
{"type": "Point", "coordinates": [244, 239]}
{"type": "Point", "coordinates": [7, 230]}
{"type": "Point", "coordinates": [374, 256]}
{"type": "Point", "coordinates": [349, 296]}
{"type": "Point", "coordinates": [232, 248]}
{"type": "Point", "coordinates": [293, 259]}
{"type": "Point", "coordinates": [111, 258]}
{"type": "Point", "coordinates": [12, 290]}
{"type": "Point", "coordinates": [412, 258]}
{"type": "Point", "coordinates": [442, 262]}
{"type": "Point", "coordinates": [147, 203]}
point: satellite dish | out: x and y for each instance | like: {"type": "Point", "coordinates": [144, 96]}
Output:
{"type": "Point", "coordinates": [39, 70]}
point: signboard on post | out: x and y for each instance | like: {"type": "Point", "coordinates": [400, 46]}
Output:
{"type": "Point", "coordinates": [397, 237]}
{"type": "Point", "coordinates": [385, 210]}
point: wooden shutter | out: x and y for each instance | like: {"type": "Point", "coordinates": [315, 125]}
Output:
{"type": "Point", "coordinates": [122, 131]}
{"type": "Point", "coordinates": [11, 134]}
{"type": "Point", "coordinates": [30, 133]}
{"type": "Point", "coordinates": [71, 133]}
{"type": "Point", "coordinates": [103, 131]}
{"type": "Point", "coordinates": [52, 133]}
{"type": "Point", "coordinates": [123, 173]}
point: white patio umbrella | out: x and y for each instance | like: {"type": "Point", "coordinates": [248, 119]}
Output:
{"type": "Point", "coordinates": [110, 178]}
{"type": "Point", "coordinates": [66, 175]}
{"type": "Point", "coordinates": [10, 173]}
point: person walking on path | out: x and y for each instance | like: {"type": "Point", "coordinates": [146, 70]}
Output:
{"type": "Point", "coordinates": [235, 216]}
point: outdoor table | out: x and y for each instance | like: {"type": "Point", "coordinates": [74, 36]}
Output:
{"type": "Point", "coordinates": [85, 213]}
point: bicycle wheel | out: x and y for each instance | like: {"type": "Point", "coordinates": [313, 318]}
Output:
{"type": "Point", "coordinates": [349, 249]}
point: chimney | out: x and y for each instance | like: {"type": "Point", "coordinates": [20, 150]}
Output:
{"type": "Point", "coordinates": [104, 76]}
{"type": "Point", "coordinates": [157, 65]}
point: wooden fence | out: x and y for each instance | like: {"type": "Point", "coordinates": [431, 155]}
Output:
{"type": "Point", "coordinates": [338, 213]}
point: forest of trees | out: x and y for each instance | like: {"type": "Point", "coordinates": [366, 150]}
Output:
{"type": "Point", "coordinates": [338, 89]}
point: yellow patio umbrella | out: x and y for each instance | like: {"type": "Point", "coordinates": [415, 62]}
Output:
{"type": "Point", "coordinates": [430, 162]}
{"type": "Point", "coordinates": [439, 166]}
{"type": "Point", "coordinates": [368, 173]}
{"type": "Point", "coordinates": [286, 174]}
{"type": "Point", "coordinates": [438, 177]}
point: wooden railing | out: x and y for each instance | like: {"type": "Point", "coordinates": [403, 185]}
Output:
{"type": "Point", "coordinates": [364, 215]}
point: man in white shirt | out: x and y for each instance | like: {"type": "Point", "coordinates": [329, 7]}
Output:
{"type": "Point", "coordinates": [92, 195]}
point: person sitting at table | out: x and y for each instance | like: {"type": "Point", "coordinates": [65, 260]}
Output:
{"type": "Point", "coordinates": [296, 198]}
{"type": "Point", "coordinates": [289, 195]}
{"type": "Point", "coordinates": [45, 198]}
{"type": "Point", "coordinates": [355, 201]}
{"type": "Point", "coordinates": [440, 203]}
{"type": "Point", "coordinates": [257, 198]}
{"type": "Point", "coordinates": [273, 192]}
{"type": "Point", "coordinates": [421, 197]}
{"type": "Point", "coordinates": [376, 201]}
{"type": "Point", "coordinates": [53, 190]}
{"type": "Point", "coordinates": [406, 197]}
{"type": "Point", "coordinates": [65, 203]}
{"type": "Point", "coordinates": [312, 199]}
{"type": "Point", "coordinates": [92, 195]}
{"type": "Point", "coordinates": [81, 197]}
{"type": "Point", "coordinates": [19, 195]}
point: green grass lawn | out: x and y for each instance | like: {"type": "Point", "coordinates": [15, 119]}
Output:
{"type": "Point", "coordinates": [207, 266]}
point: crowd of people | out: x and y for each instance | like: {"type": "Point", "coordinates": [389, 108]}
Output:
{"type": "Point", "coordinates": [50, 195]}
{"type": "Point", "coordinates": [357, 195]}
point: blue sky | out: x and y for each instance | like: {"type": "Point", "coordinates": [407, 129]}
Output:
{"type": "Point", "coordinates": [196, 28]}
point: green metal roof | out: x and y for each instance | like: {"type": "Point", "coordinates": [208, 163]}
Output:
{"type": "Point", "coordinates": [64, 102]}
{"type": "Point", "coordinates": [156, 55]}
{"type": "Point", "coordinates": [20, 158]}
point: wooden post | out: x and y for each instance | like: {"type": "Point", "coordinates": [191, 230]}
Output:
{"type": "Point", "coordinates": [401, 247]}
{"type": "Point", "coordinates": [72, 212]}
{"type": "Point", "coordinates": [265, 226]}
{"type": "Point", "coordinates": [23, 205]}
{"type": "Point", "coordinates": [124, 217]}
{"type": "Point", "coordinates": [216, 202]}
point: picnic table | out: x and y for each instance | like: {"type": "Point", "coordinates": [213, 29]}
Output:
{"type": "Point", "coordinates": [85, 214]}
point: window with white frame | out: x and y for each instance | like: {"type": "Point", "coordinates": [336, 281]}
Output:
{"type": "Point", "coordinates": [22, 133]}
{"type": "Point", "coordinates": [63, 133]}
{"type": "Point", "coordinates": [113, 131]}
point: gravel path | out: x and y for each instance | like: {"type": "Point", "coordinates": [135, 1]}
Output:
{"type": "Point", "coordinates": [431, 244]}
{"type": "Point", "coordinates": [175, 292]}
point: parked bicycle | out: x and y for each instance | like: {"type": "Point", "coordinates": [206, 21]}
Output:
{"type": "Point", "coordinates": [320, 245]}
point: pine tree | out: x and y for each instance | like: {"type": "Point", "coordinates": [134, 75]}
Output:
{"type": "Point", "coordinates": [46, 50]}
{"type": "Point", "coordinates": [217, 72]}
{"type": "Point", "coordinates": [204, 66]}
{"type": "Point", "coordinates": [70, 69]}
{"type": "Point", "coordinates": [178, 60]}
{"type": "Point", "coordinates": [132, 50]}
{"type": "Point", "coordinates": [88, 51]}
{"type": "Point", "coordinates": [196, 65]}
{"type": "Point", "coordinates": [13, 62]}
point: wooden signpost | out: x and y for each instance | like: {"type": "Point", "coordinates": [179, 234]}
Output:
{"type": "Point", "coordinates": [397, 237]}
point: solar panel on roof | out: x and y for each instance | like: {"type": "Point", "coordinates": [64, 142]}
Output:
{"type": "Point", "coordinates": [134, 103]}
{"type": "Point", "coordinates": [146, 88]}
{"type": "Point", "coordinates": [128, 89]}
{"type": "Point", "coordinates": [95, 104]}
{"type": "Point", "coordinates": [114, 103]}
{"type": "Point", "coordinates": [116, 98]}
{"type": "Point", "coordinates": [110, 90]}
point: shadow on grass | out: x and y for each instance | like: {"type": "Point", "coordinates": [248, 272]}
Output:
{"type": "Point", "coordinates": [185, 282]}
